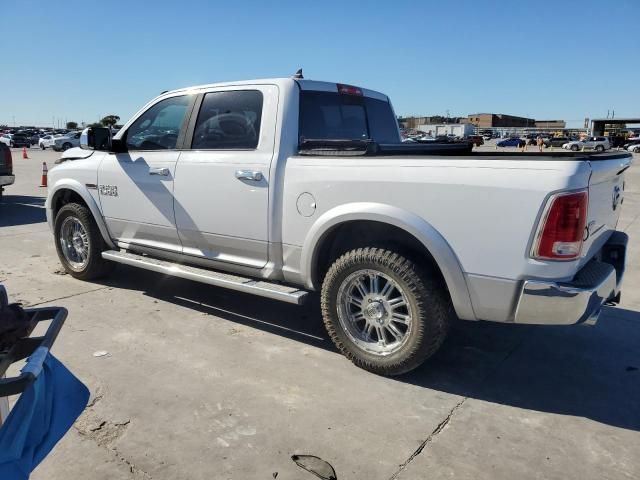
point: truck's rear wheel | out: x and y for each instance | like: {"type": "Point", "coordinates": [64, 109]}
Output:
{"type": "Point", "coordinates": [384, 312]}
{"type": "Point", "coordinates": [79, 243]}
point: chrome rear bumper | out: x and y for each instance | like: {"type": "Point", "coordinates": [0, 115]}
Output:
{"type": "Point", "coordinates": [7, 180]}
{"type": "Point", "coordinates": [581, 300]}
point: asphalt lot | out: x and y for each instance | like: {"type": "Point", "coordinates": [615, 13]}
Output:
{"type": "Point", "coordinates": [203, 383]}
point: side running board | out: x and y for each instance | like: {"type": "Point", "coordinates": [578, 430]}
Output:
{"type": "Point", "coordinates": [274, 291]}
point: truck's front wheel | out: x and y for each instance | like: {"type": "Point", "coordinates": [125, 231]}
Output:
{"type": "Point", "coordinates": [384, 312]}
{"type": "Point", "coordinates": [79, 243]}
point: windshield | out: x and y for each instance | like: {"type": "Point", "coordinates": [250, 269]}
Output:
{"type": "Point", "coordinates": [328, 115]}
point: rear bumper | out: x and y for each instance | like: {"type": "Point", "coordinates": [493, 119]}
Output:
{"type": "Point", "coordinates": [7, 180]}
{"type": "Point", "coordinates": [581, 300]}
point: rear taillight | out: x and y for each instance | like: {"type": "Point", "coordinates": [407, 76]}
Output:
{"type": "Point", "coordinates": [8, 161]}
{"type": "Point", "coordinates": [561, 232]}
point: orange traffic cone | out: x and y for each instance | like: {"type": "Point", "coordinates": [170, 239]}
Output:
{"type": "Point", "coordinates": [45, 171]}
{"type": "Point", "coordinates": [24, 152]}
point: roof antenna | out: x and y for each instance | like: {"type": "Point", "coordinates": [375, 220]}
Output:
{"type": "Point", "coordinates": [298, 74]}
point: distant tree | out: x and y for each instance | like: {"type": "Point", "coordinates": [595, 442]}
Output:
{"type": "Point", "coordinates": [110, 120]}
{"type": "Point", "coordinates": [95, 124]}
{"type": "Point", "coordinates": [72, 125]}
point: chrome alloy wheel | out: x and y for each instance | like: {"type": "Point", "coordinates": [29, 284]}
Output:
{"type": "Point", "coordinates": [74, 243]}
{"type": "Point", "coordinates": [374, 312]}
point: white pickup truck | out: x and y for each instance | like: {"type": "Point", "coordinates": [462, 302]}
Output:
{"type": "Point", "coordinates": [284, 186]}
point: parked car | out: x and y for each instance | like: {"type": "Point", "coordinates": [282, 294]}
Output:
{"type": "Point", "coordinates": [47, 141]}
{"type": "Point", "coordinates": [512, 142]}
{"type": "Point", "coordinates": [5, 139]}
{"type": "Point", "coordinates": [384, 240]}
{"type": "Point", "coordinates": [631, 143]}
{"type": "Point", "coordinates": [599, 144]}
{"type": "Point", "coordinates": [6, 168]}
{"type": "Point", "coordinates": [477, 140]}
{"type": "Point", "coordinates": [616, 141]}
{"type": "Point", "coordinates": [558, 141]}
{"type": "Point", "coordinates": [20, 140]}
{"type": "Point", "coordinates": [634, 148]}
{"type": "Point", "coordinates": [67, 141]}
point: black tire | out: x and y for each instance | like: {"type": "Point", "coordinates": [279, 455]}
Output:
{"type": "Point", "coordinates": [599, 148]}
{"type": "Point", "coordinates": [42, 147]}
{"type": "Point", "coordinates": [66, 146]}
{"type": "Point", "coordinates": [95, 266]}
{"type": "Point", "coordinates": [574, 148]}
{"type": "Point", "coordinates": [425, 294]}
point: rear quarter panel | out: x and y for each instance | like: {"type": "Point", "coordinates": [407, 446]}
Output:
{"type": "Point", "coordinates": [485, 209]}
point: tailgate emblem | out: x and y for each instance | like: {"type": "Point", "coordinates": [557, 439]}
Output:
{"type": "Point", "coordinates": [616, 197]}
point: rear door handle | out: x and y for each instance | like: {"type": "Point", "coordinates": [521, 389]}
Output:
{"type": "Point", "coordinates": [159, 171]}
{"type": "Point", "coordinates": [251, 175]}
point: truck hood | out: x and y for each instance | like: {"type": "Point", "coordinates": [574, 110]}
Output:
{"type": "Point", "coordinates": [75, 153]}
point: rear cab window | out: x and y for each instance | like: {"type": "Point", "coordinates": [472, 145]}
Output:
{"type": "Point", "coordinates": [338, 116]}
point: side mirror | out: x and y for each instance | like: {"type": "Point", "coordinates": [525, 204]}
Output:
{"type": "Point", "coordinates": [96, 138]}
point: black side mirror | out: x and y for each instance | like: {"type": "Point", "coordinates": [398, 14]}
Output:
{"type": "Point", "coordinates": [96, 138]}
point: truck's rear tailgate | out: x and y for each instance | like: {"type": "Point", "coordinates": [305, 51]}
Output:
{"type": "Point", "coordinates": [606, 195]}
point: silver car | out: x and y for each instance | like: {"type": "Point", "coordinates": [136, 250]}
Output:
{"type": "Point", "coordinates": [599, 144]}
{"type": "Point", "coordinates": [66, 142]}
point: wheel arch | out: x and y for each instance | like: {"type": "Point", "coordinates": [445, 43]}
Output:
{"type": "Point", "coordinates": [412, 226]}
{"type": "Point", "coordinates": [72, 190]}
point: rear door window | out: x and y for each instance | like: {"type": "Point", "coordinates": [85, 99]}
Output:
{"type": "Point", "coordinates": [228, 120]}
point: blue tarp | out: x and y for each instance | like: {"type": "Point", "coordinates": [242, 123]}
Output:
{"type": "Point", "coordinates": [42, 415]}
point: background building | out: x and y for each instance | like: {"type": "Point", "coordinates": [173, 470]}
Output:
{"type": "Point", "coordinates": [551, 124]}
{"type": "Point", "coordinates": [499, 120]}
{"type": "Point", "coordinates": [413, 122]}
{"type": "Point", "coordinates": [600, 126]}
{"type": "Point", "coordinates": [457, 129]}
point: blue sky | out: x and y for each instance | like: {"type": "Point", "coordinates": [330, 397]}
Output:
{"type": "Point", "coordinates": [77, 60]}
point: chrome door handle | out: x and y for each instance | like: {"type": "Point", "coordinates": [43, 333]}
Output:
{"type": "Point", "coordinates": [251, 175]}
{"type": "Point", "coordinates": [159, 171]}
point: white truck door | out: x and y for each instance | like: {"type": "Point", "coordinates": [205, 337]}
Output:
{"type": "Point", "coordinates": [136, 187]}
{"type": "Point", "coordinates": [222, 177]}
